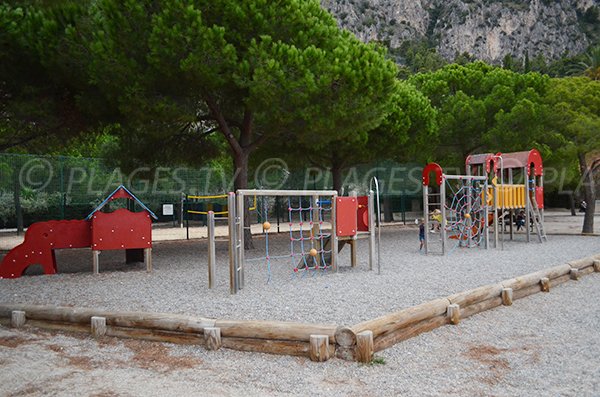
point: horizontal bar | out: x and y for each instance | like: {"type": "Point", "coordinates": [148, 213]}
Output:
{"type": "Point", "coordinates": [287, 192]}
{"type": "Point", "coordinates": [466, 177]}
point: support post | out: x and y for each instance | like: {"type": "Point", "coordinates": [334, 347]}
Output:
{"type": "Point", "coordinates": [212, 337]}
{"type": "Point", "coordinates": [507, 296]}
{"type": "Point", "coordinates": [241, 255]}
{"type": "Point", "coordinates": [17, 318]}
{"type": "Point", "coordinates": [96, 261]}
{"type": "Point", "coordinates": [98, 325]}
{"type": "Point", "coordinates": [334, 238]}
{"type": "Point", "coordinates": [352, 251]}
{"type": "Point", "coordinates": [453, 313]}
{"type": "Point", "coordinates": [319, 348]}
{"type": "Point", "coordinates": [364, 347]}
{"type": "Point", "coordinates": [231, 219]}
{"type": "Point", "coordinates": [211, 250]}
{"type": "Point", "coordinates": [545, 284]}
{"type": "Point", "coordinates": [314, 230]}
{"type": "Point", "coordinates": [426, 216]}
{"type": "Point", "coordinates": [527, 204]}
{"type": "Point", "coordinates": [574, 274]}
{"type": "Point", "coordinates": [443, 209]}
{"type": "Point", "coordinates": [371, 212]}
{"type": "Point", "coordinates": [148, 259]}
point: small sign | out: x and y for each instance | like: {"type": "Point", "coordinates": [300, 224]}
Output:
{"type": "Point", "coordinates": [167, 209]}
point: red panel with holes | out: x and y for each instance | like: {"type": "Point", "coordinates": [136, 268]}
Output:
{"type": "Point", "coordinates": [121, 229]}
{"type": "Point", "coordinates": [345, 216]}
{"type": "Point", "coordinates": [363, 214]}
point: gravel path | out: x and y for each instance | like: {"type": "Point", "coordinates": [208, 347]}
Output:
{"type": "Point", "coordinates": [545, 344]}
{"type": "Point", "coordinates": [179, 282]}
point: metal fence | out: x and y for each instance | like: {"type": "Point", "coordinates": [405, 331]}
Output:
{"type": "Point", "coordinates": [58, 187]}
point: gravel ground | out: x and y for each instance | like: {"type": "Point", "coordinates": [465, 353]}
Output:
{"type": "Point", "coordinates": [179, 282]}
{"type": "Point", "coordinates": [545, 344]}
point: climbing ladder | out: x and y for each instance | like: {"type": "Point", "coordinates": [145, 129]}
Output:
{"type": "Point", "coordinates": [536, 216]}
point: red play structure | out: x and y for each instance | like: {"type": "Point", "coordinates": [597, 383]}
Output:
{"type": "Point", "coordinates": [121, 229]}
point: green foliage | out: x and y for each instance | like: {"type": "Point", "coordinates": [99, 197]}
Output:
{"type": "Point", "coordinates": [475, 102]}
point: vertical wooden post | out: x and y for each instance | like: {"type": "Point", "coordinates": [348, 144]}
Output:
{"type": "Point", "coordinates": [574, 274]}
{"type": "Point", "coordinates": [319, 348]}
{"type": "Point", "coordinates": [212, 337]}
{"type": "Point", "coordinates": [148, 259]}
{"type": "Point", "coordinates": [545, 283]}
{"type": "Point", "coordinates": [353, 252]}
{"type": "Point", "coordinates": [212, 259]}
{"type": "Point", "coordinates": [98, 326]}
{"type": "Point", "coordinates": [597, 266]}
{"type": "Point", "coordinates": [96, 261]}
{"type": "Point", "coordinates": [507, 296]}
{"type": "Point", "coordinates": [453, 313]}
{"type": "Point", "coordinates": [334, 238]}
{"type": "Point", "coordinates": [364, 347]}
{"type": "Point", "coordinates": [314, 230]}
{"type": "Point", "coordinates": [17, 318]}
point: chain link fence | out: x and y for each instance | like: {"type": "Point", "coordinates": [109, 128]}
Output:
{"type": "Point", "coordinates": [38, 188]}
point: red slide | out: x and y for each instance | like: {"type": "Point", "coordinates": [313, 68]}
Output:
{"type": "Point", "coordinates": [41, 239]}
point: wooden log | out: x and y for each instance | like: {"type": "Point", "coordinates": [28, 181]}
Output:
{"type": "Point", "coordinates": [5, 322]}
{"type": "Point", "coordinates": [404, 318]}
{"type": "Point", "coordinates": [545, 284]}
{"type": "Point", "coordinates": [470, 297]}
{"type": "Point", "coordinates": [98, 326]}
{"type": "Point", "coordinates": [507, 296]}
{"type": "Point", "coordinates": [398, 335]}
{"type": "Point", "coordinates": [454, 313]}
{"type": "Point", "coordinates": [574, 274]}
{"type": "Point", "coordinates": [276, 330]}
{"type": "Point", "coordinates": [560, 280]}
{"type": "Point", "coordinates": [290, 348]}
{"type": "Point", "coordinates": [319, 348]}
{"type": "Point", "coordinates": [160, 321]}
{"type": "Point", "coordinates": [534, 278]}
{"type": "Point", "coordinates": [155, 335]}
{"type": "Point", "coordinates": [523, 292]}
{"type": "Point", "coordinates": [17, 319]}
{"type": "Point", "coordinates": [345, 337]}
{"type": "Point", "coordinates": [596, 265]}
{"type": "Point", "coordinates": [582, 263]}
{"type": "Point", "coordinates": [480, 307]}
{"type": "Point", "coordinates": [59, 326]}
{"type": "Point", "coordinates": [586, 271]}
{"type": "Point", "coordinates": [364, 347]}
{"type": "Point", "coordinates": [346, 353]}
{"type": "Point", "coordinates": [212, 338]}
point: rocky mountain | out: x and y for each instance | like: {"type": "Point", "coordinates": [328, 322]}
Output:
{"type": "Point", "coordinates": [485, 29]}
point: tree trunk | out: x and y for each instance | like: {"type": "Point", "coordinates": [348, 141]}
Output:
{"type": "Point", "coordinates": [336, 172]}
{"type": "Point", "coordinates": [572, 203]}
{"type": "Point", "coordinates": [589, 194]}
{"type": "Point", "coordinates": [241, 182]}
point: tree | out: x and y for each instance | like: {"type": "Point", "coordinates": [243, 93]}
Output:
{"type": "Point", "coordinates": [575, 115]}
{"type": "Point", "coordinates": [249, 71]}
{"type": "Point", "coordinates": [407, 132]}
{"type": "Point", "coordinates": [472, 101]}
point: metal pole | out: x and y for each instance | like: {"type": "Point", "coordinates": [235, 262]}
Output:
{"type": "Point", "coordinates": [527, 204]}
{"type": "Point", "coordinates": [426, 216]}
{"type": "Point", "coordinates": [239, 271]}
{"type": "Point", "coordinates": [443, 209]}
{"type": "Point", "coordinates": [486, 214]}
{"type": "Point", "coordinates": [211, 250]}
{"type": "Point", "coordinates": [231, 219]}
{"type": "Point", "coordinates": [371, 211]}
{"type": "Point", "coordinates": [334, 238]}
{"type": "Point", "coordinates": [378, 218]}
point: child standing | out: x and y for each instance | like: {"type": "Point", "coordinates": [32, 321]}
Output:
{"type": "Point", "coordinates": [422, 233]}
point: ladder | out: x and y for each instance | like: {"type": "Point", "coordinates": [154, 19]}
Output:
{"type": "Point", "coordinates": [537, 219]}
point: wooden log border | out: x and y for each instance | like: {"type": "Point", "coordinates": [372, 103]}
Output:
{"type": "Point", "coordinates": [315, 341]}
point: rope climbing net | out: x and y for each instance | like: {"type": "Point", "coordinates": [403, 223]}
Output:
{"type": "Point", "coordinates": [307, 220]}
{"type": "Point", "coordinates": [465, 213]}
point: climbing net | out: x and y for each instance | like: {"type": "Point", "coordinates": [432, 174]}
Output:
{"type": "Point", "coordinates": [309, 231]}
{"type": "Point", "coordinates": [465, 213]}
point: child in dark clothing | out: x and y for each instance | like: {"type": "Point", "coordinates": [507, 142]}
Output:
{"type": "Point", "coordinates": [422, 234]}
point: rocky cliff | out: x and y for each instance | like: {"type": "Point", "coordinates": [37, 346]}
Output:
{"type": "Point", "coordinates": [486, 29]}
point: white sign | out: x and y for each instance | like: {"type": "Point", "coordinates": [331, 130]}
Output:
{"type": "Point", "coordinates": [167, 209]}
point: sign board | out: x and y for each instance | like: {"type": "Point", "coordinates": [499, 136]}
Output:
{"type": "Point", "coordinates": [168, 210]}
